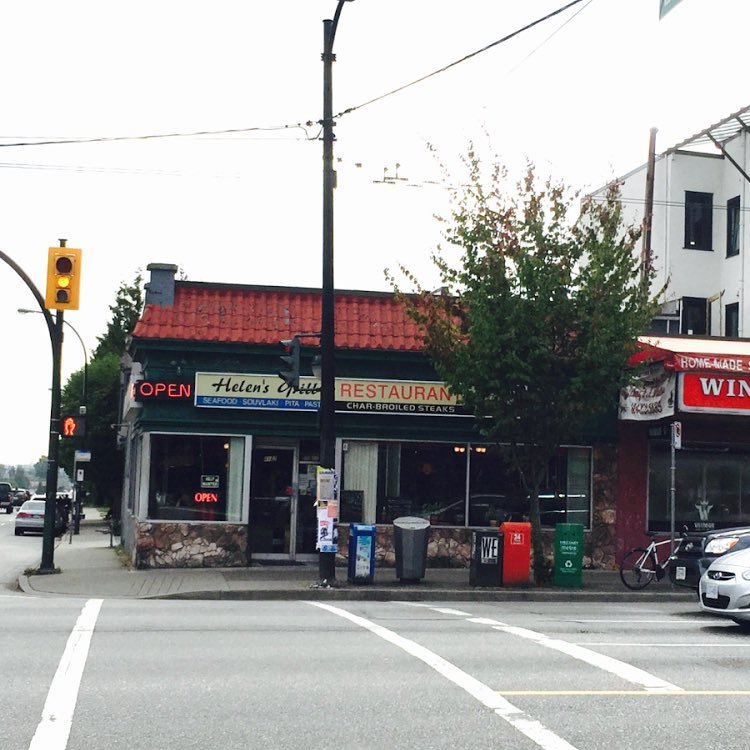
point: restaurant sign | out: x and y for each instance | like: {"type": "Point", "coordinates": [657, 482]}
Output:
{"type": "Point", "coordinates": [650, 396]}
{"type": "Point", "coordinates": [362, 395]}
{"type": "Point", "coordinates": [714, 393]}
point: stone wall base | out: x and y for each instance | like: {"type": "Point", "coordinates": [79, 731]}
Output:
{"type": "Point", "coordinates": [183, 545]}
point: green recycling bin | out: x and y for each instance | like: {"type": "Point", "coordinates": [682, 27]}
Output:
{"type": "Point", "coordinates": [569, 555]}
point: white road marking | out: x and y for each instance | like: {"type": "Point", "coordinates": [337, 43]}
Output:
{"type": "Point", "coordinates": [520, 721]}
{"type": "Point", "coordinates": [57, 715]}
{"type": "Point", "coordinates": [663, 645]}
{"type": "Point", "coordinates": [606, 663]}
{"type": "Point", "coordinates": [621, 669]}
{"type": "Point", "coordinates": [449, 611]}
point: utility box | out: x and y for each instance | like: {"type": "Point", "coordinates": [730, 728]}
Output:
{"type": "Point", "coordinates": [361, 553]}
{"type": "Point", "coordinates": [516, 553]}
{"type": "Point", "coordinates": [569, 555]}
{"type": "Point", "coordinates": [410, 545]}
{"type": "Point", "coordinates": [486, 558]}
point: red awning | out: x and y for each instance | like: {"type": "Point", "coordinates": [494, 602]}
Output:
{"type": "Point", "coordinates": [693, 354]}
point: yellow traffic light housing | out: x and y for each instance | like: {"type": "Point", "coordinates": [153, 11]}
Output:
{"type": "Point", "coordinates": [63, 278]}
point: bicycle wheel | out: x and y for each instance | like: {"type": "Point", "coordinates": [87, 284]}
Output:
{"type": "Point", "coordinates": [637, 568]}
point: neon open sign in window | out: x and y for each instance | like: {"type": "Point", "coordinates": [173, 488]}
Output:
{"type": "Point", "coordinates": [206, 497]}
{"type": "Point", "coordinates": [153, 390]}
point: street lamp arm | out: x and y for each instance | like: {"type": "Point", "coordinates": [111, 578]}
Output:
{"type": "Point", "coordinates": [37, 294]}
{"type": "Point", "coordinates": [24, 311]}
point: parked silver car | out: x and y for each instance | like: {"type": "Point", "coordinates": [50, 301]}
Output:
{"type": "Point", "coordinates": [724, 588]}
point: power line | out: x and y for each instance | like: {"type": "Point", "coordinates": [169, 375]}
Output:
{"type": "Point", "coordinates": [506, 38]}
{"type": "Point", "coordinates": [154, 136]}
{"type": "Point", "coordinates": [309, 123]}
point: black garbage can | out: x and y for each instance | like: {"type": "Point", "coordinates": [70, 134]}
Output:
{"type": "Point", "coordinates": [410, 545]}
{"type": "Point", "coordinates": [486, 568]}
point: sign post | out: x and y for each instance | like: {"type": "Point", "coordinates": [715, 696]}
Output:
{"type": "Point", "coordinates": [676, 444]}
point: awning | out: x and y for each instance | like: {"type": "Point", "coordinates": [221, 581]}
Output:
{"type": "Point", "coordinates": [694, 354]}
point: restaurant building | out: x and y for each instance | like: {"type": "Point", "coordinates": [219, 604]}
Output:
{"type": "Point", "coordinates": [701, 384]}
{"type": "Point", "coordinates": [221, 455]}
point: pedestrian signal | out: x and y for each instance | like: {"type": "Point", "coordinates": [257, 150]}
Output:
{"type": "Point", "coordinates": [73, 426]}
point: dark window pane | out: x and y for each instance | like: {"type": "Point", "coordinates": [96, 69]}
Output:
{"type": "Point", "coordinates": [189, 479]}
{"type": "Point", "coordinates": [694, 316]}
{"type": "Point", "coordinates": [698, 220]}
{"type": "Point", "coordinates": [733, 226]}
{"type": "Point", "coordinates": [733, 319]}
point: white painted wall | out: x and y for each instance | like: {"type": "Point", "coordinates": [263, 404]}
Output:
{"type": "Point", "coordinates": [684, 271]}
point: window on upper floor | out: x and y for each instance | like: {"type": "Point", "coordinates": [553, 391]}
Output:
{"type": "Point", "coordinates": [733, 226]}
{"type": "Point", "coordinates": [695, 316]}
{"type": "Point", "coordinates": [732, 319]}
{"type": "Point", "coordinates": [698, 220]}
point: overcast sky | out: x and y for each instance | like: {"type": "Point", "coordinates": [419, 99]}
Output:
{"type": "Point", "coordinates": [576, 95]}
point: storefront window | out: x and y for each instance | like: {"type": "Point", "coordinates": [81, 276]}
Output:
{"type": "Point", "coordinates": [196, 478]}
{"type": "Point", "coordinates": [382, 481]}
{"type": "Point", "coordinates": [712, 489]}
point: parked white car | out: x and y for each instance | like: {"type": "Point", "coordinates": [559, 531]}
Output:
{"type": "Point", "coordinates": [724, 588]}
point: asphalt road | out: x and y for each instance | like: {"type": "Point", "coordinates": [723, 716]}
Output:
{"type": "Point", "coordinates": [16, 552]}
{"type": "Point", "coordinates": [84, 675]}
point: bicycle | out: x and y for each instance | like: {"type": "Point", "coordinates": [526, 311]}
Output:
{"type": "Point", "coordinates": [642, 565]}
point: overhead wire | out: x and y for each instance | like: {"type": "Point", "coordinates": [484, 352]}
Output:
{"type": "Point", "coordinates": [423, 78]}
{"type": "Point", "coordinates": [300, 125]}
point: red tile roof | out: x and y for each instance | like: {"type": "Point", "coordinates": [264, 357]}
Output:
{"type": "Point", "coordinates": [265, 315]}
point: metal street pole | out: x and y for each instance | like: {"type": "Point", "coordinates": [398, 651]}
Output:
{"type": "Point", "coordinates": [327, 560]}
{"type": "Point", "coordinates": [47, 564]}
{"type": "Point", "coordinates": [54, 326]}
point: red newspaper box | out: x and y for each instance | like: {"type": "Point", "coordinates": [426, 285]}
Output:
{"type": "Point", "coordinates": [516, 552]}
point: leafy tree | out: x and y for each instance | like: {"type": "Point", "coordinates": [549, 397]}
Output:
{"type": "Point", "coordinates": [40, 468]}
{"type": "Point", "coordinates": [534, 326]}
{"type": "Point", "coordinates": [103, 395]}
{"type": "Point", "coordinates": [20, 477]}
{"type": "Point", "coordinates": [125, 313]}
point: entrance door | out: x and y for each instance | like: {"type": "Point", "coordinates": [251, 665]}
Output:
{"type": "Point", "coordinates": [272, 501]}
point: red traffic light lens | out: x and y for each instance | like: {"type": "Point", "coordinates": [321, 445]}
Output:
{"type": "Point", "coordinates": [63, 264]}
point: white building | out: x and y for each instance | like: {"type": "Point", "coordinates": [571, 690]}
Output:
{"type": "Point", "coordinates": [700, 230]}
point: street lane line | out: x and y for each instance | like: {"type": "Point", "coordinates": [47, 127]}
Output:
{"type": "Point", "coordinates": [520, 721]}
{"type": "Point", "coordinates": [449, 611]}
{"type": "Point", "coordinates": [664, 645]}
{"type": "Point", "coordinates": [600, 661]}
{"type": "Point", "coordinates": [57, 715]}
{"type": "Point", "coordinates": [642, 693]}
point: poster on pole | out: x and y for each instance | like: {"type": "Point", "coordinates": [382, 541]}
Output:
{"type": "Point", "coordinates": [327, 510]}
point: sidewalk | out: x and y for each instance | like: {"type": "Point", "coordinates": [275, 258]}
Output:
{"type": "Point", "coordinates": [91, 568]}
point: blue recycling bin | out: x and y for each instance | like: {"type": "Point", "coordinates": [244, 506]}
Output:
{"type": "Point", "coordinates": [361, 553]}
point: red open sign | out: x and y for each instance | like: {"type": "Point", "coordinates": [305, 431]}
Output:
{"type": "Point", "coordinates": [206, 497]}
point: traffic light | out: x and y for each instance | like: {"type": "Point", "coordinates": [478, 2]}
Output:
{"type": "Point", "coordinates": [73, 425]}
{"type": "Point", "coordinates": [63, 278]}
{"type": "Point", "coordinates": [290, 362]}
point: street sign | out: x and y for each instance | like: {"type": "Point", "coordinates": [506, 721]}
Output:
{"type": "Point", "coordinates": [79, 475]}
{"type": "Point", "coordinates": [82, 456]}
{"type": "Point", "coordinates": [665, 6]}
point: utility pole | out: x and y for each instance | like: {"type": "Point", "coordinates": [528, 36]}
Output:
{"type": "Point", "coordinates": [646, 256]}
{"type": "Point", "coordinates": [327, 560]}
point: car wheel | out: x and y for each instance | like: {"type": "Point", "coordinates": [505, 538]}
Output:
{"type": "Point", "coordinates": [744, 624]}
{"type": "Point", "coordinates": [19, 532]}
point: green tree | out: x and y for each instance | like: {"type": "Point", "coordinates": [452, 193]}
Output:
{"type": "Point", "coordinates": [535, 324]}
{"type": "Point", "coordinates": [103, 395]}
{"type": "Point", "coordinates": [125, 313]}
